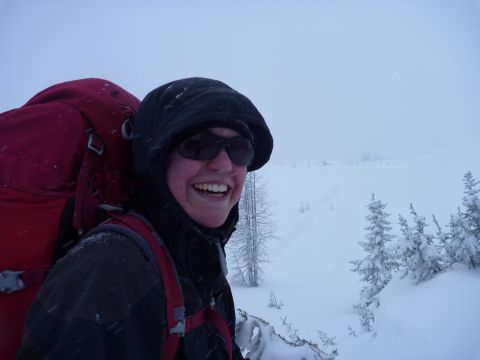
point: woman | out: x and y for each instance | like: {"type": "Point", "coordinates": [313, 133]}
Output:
{"type": "Point", "coordinates": [194, 141]}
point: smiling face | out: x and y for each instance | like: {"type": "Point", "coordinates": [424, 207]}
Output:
{"type": "Point", "coordinates": [206, 189]}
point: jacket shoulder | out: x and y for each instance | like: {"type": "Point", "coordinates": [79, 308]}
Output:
{"type": "Point", "coordinates": [100, 279]}
{"type": "Point", "coordinates": [101, 301]}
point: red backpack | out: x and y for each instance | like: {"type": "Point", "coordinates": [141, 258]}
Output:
{"type": "Point", "coordinates": [64, 155]}
{"type": "Point", "coordinates": [65, 166]}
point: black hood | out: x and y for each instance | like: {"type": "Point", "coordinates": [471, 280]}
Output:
{"type": "Point", "coordinates": [182, 105]}
{"type": "Point", "coordinates": [165, 115]}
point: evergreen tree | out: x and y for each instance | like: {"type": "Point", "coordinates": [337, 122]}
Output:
{"type": "Point", "coordinates": [419, 256]}
{"type": "Point", "coordinates": [465, 227]}
{"type": "Point", "coordinates": [406, 245]}
{"type": "Point", "coordinates": [471, 202]}
{"type": "Point", "coordinates": [462, 250]}
{"type": "Point", "coordinates": [444, 241]}
{"type": "Point", "coordinates": [304, 207]}
{"type": "Point", "coordinates": [377, 266]}
{"type": "Point", "coordinates": [367, 318]}
{"type": "Point", "coordinates": [255, 228]}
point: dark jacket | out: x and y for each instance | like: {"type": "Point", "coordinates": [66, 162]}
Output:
{"type": "Point", "coordinates": [103, 300]}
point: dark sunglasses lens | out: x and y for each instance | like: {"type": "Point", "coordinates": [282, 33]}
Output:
{"type": "Point", "coordinates": [240, 151]}
{"type": "Point", "coordinates": [207, 146]}
{"type": "Point", "coordinates": [203, 146]}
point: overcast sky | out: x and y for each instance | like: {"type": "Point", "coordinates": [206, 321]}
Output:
{"type": "Point", "coordinates": [333, 78]}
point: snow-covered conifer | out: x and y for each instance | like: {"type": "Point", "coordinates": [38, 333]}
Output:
{"type": "Point", "coordinates": [465, 226]}
{"type": "Point", "coordinates": [471, 202]}
{"type": "Point", "coordinates": [405, 245]}
{"type": "Point", "coordinates": [248, 245]}
{"type": "Point", "coordinates": [419, 256]}
{"type": "Point", "coordinates": [465, 247]}
{"type": "Point", "coordinates": [367, 318]}
{"type": "Point", "coordinates": [303, 208]}
{"type": "Point", "coordinates": [377, 266]}
{"type": "Point", "coordinates": [444, 242]}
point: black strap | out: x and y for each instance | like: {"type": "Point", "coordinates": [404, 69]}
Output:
{"type": "Point", "coordinates": [67, 235]}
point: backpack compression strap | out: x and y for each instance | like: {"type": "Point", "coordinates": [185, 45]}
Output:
{"type": "Point", "coordinates": [11, 281]}
{"type": "Point", "coordinates": [178, 324]}
{"type": "Point", "coordinates": [208, 314]}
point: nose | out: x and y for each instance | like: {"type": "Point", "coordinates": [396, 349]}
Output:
{"type": "Point", "coordinates": [221, 163]}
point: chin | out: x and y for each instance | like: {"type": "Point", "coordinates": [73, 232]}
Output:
{"type": "Point", "coordinates": [212, 222]}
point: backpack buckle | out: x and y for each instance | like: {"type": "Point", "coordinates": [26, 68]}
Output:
{"type": "Point", "coordinates": [95, 144]}
{"type": "Point", "coordinates": [179, 328]}
{"type": "Point", "coordinates": [127, 129]}
{"type": "Point", "coordinates": [10, 281]}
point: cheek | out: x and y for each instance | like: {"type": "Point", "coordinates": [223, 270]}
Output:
{"type": "Point", "coordinates": [172, 184]}
{"type": "Point", "coordinates": [179, 172]}
{"type": "Point", "coordinates": [240, 181]}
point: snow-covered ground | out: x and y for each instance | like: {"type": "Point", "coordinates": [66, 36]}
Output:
{"type": "Point", "coordinates": [310, 270]}
{"type": "Point", "coordinates": [395, 81]}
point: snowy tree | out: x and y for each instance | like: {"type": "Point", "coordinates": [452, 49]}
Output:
{"type": "Point", "coordinates": [273, 302]}
{"type": "Point", "coordinates": [463, 250]}
{"type": "Point", "coordinates": [257, 340]}
{"type": "Point", "coordinates": [406, 244]}
{"type": "Point", "coordinates": [377, 266]}
{"type": "Point", "coordinates": [471, 202]}
{"type": "Point", "coordinates": [304, 207]}
{"type": "Point", "coordinates": [255, 228]}
{"type": "Point", "coordinates": [444, 241]}
{"type": "Point", "coordinates": [465, 226]}
{"type": "Point", "coordinates": [367, 318]}
{"type": "Point", "coordinates": [465, 247]}
{"type": "Point", "coordinates": [419, 256]}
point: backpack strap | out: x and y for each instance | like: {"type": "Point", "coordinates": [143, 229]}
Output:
{"type": "Point", "coordinates": [139, 229]}
{"type": "Point", "coordinates": [208, 314]}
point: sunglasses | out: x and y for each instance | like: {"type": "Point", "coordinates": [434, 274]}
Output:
{"type": "Point", "coordinates": [207, 145]}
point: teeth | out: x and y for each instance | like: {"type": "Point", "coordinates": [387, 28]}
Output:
{"type": "Point", "coordinates": [218, 188]}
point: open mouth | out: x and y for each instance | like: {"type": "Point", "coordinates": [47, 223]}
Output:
{"type": "Point", "coordinates": [212, 189]}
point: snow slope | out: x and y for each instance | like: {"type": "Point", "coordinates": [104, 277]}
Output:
{"type": "Point", "coordinates": [336, 81]}
{"type": "Point", "coordinates": [310, 271]}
